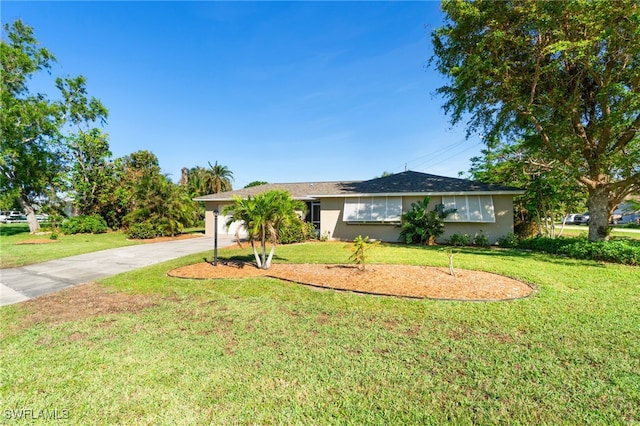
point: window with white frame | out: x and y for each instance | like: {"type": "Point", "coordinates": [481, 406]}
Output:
{"type": "Point", "coordinates": [372, 209]}
{"type": "Point", "coordinates": [469, 208]}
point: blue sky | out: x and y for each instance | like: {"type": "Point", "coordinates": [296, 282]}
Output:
{"type": "Point", "coordinates": [276, 91]}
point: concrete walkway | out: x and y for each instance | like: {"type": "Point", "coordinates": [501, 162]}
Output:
{"type": "Point", "coordinates": [27, 282]}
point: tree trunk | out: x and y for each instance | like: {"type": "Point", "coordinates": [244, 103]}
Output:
{"type": "Point", "coordinates": [263, 246]}
{"type": "Point", "coordinates": [34, 226]}
{"type": "Point", "coordinates": [599, 212]}
{"type": "Point", "coordinates": [268, 263]}
{"type": "Point", "coordinates": [256, 255]}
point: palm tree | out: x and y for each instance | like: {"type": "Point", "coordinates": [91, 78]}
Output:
{"type": "Point", "coordinates": [202, 181]}
{"type": "Point", "coordinates": [220, 178]}
{"type": "Point", "coordinates": [262, 215]}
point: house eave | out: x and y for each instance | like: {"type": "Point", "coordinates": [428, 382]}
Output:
{"type": "Point", "coordinates": [228, 199]}
{"type": "Point", "coordinates": [416, 194]}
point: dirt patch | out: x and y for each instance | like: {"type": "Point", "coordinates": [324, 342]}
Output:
{"type": "Point", "coordinates": [396, 280]}
{"type": "Point", "coordinates": [38, 241]}
{"type": "Point", "coordinates": [80, 302]}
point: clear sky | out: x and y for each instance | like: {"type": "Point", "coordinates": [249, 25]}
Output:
{"type": "Point", "coordinates": [275, 91]}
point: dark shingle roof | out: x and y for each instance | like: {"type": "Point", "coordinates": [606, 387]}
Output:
{"type": "Point", "coordinates": [299, 190]}
{"type": "Point", "coordinates": [408, 182]}
{"type": "Point", "coordinates": [416, 182]}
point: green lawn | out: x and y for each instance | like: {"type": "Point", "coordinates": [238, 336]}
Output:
{"type": "Point", "coordinates": [616, 231]}
{"type": "Point", "coordinates": [263, 351]}
{"type": "Point", "coordinates": [16, 253]}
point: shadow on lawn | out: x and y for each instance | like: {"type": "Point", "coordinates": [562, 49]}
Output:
{"type": "Point", "coordinates": [9, 230]}
{"type": "Point", "coordinates": [245, 259]}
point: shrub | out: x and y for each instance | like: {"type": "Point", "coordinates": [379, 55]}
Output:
{"type": "Point", "coordinates": [459, 240]}
{"type": "Point", "coordinates": [143, 231]}
{"type": "Point", "coordinates": [296, 232]}
{"type": "Point", "coordinates": [617, 251]}
{"type": "Point", "coordinates": [509, 241]}
{"type": "Point", "coordinates": [84, 224]}
{"type": "Point", "coordinates": [481, 240]}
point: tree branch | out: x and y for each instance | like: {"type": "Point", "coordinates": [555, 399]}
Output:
{"type": "Point", "coordinates": [628, 135]}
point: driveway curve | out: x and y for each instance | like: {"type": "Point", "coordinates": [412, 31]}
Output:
{"type": "Point", "coordinates": [27, 282]}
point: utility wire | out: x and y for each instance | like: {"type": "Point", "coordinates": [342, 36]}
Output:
{"type": "Point", "coordinates": [437, 156]}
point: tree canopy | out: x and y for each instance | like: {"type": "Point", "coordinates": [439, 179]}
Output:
{"type": "Point", "coordinates": [37, 134]}
{"type": "Point", "coordinates": [562, 76]}
{"type": "Point", "coordinates": [202, 181]}
{"type": "Point", "coordinates": [29, 144]}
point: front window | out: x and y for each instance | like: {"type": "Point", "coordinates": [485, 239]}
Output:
{"type": "Point", "coordinates": [470, 208]}
{"type": "Point", "coordinates": [372, 209]}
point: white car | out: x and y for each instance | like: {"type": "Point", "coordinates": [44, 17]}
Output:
{"type": "Point", "coordinates": [16, 216]}
{"type": "Point", "coordinates": [570, 218]}
{"type": "Point", "coordinates": [581, 219]}
{"type": "Point", "coordinates": [3, 217]}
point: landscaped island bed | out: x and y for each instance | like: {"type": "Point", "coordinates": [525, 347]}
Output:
{"type": "Point", "coordinates": [395, 280]}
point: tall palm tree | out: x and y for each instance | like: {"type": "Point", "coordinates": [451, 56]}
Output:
{"type": "Point", "coordinates": [202, 181]}
{"type": "Point", "coordinates": [262, 215]}
{"type": "Point", "coordinates": [220, 178]}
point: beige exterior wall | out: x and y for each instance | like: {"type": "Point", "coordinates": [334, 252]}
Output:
{"type": "Point", "coordinates": [209, 220]}
{"type": "Point", "coordinates": [331, 222]}
{"type": "Point", "coordinates": [503, 208]}
{"type": "Point", "coordinates": [208, 217]}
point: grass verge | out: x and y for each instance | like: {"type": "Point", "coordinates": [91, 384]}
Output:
{"type": "Point", "coordinates": [262, 351]}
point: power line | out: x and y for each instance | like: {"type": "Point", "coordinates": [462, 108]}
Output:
{"type": "Point", "coordinates": [438, 156]}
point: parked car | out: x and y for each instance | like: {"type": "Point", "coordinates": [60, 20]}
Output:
{"type": "Point", "coordinates": [570, 219]}
{"type": "Point", "coordinates": [581, 219]}
{"type": "Point", "coordinates": [42, 217]}
{"type": "Point", "coordinates": [629, 218]}
{"type": "Point", "coordinates": [16, 216]}
{"type": "Point", "coordinates": [615, 218]}
{"type": "Point", "coordinates": [3, 217]}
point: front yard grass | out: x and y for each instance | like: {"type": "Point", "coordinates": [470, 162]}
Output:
{"type": "Point", "coordinates": [18, 249]}
{"type": "Point", "coordinates": [263, 351]}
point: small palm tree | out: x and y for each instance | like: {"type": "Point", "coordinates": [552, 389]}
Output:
{"type": "Point", "coordinates": [261, 216]}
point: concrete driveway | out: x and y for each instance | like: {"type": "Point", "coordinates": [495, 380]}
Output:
{"type": "Point", "coordinates": [27, 282]}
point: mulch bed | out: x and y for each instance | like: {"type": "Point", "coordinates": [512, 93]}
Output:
{"type": "Point", "coordinates": [394, 280]}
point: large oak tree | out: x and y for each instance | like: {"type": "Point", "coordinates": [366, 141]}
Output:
{"type": "Point", "coordinates": [564, 75]}
{"type": "Point", "coordinates": [41, 139]}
